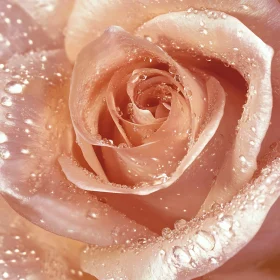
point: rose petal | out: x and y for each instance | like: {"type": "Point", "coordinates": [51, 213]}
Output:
{"type": "Point", "coordinates": [28, 252]}
{"type": "Point", "coordinates": [89, 19]}
{"type": "Point", "coordinates": [184, 197]}
{"type": "Point", "coordinates": [240, 163]}
{"type": "Point", "coordinates": [196, 247]}
{"type": "Point", "coordinates": [123, 165]}
{"type": "Point", "coordinates": [35, 130]}
{"type": "Point", "coordinates": [19, 33]}
{"type": "Point", "coordinates": [244, 275]}
{"type": "Point", "coordinates": [42, 11]}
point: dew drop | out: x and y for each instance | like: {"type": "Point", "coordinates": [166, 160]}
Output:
{"type": "Point", "coordinates": [166, 232]}
{"type": "Point", "coordinates": [6, 101]}
{"type": "Point", "coordinates": [3, 137]}
{"type": "Point", "coordinates": [213, 261]}
{"type": "Point", "coordinates": [43, 58]}
{"type": "Point", "coordinates": [225, 222]}
{"type": "Point", "coordinates": [242, 159]}
{"type": "Point", "coordinates": [102, 199]}
{"type": "Point", "coordinates": [28, 121]}
{"type": "Point", "coordinates": [245, 7]}
{"type": "Point", "coordinates": [205, 240]}
{"type": "Point", "coordinates": [180, 224]}
{"type": "Point", "coordinates": [182, 257]}
{"type": "Point", "coordinates": [4, 154]}
{"type": "Point", "coordinates": [142, 240]}
{"type": "Point", "coordinates": [122, 145]}
{"type": "Point", "coordinates": [252, 143]}
{"type": "Point", "coordinates": [5, 275]}
{"type": "Point", "coordinates": [14, 87]}
{"type": "Point", "coordinates": [148, 38]}
{"type": "Point", "coordinates": [91, 214]}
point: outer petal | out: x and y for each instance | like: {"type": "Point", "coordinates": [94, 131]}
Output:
{"type": "Point", "coordinates": [42, 11]}
{"type": "Point", "coordinates": [197, 247]}
{"type": "Point", "coordinates": [29, 252]}
{"type": "Point", "coordinates": [90, 18]}
{"type": "Point", "coordinates": [35, 130]}
{"type": "Point", "coordinates": [19, 32]}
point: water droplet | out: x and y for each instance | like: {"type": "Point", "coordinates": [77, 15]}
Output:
{"type": "Point", "coordinates": [43, 58]}
{"type": "Point", "coordinates": [180, 224]}
{"type": "Point", "coordinates": [225, 222]}
{"type": "Point", "coordinates": [166, 232]}
{"type": "Point", "coordinates": [14, 87]}
{"type": "Point", "coordinates": [245, 7]}
{"type": "Point", "coordinates": [91, 214]}
{"type": "Point", "coordinates": [148, 38]}
{"type": "Point", "coordinates": [213, 261]}
{"type": "Point", "coordinates": [102, 199]}
{"type": "Point", "coordinates": [203, 31]}
{"type": "Point", "coordinates": [142, 77]}
{"type": "Point", "coordinates": [25, 151]}
{"type": "Point", "coordinates": [162, 252]}
{"type": "Point", "coordinates": [252, 143]}
{"type": "Point", "coordinates": [142, 240]}
{"type": "Point", "coordinates": [28, 121]}
{"type": "Point", "coordinates": [242, 159]}
{"type": "Point", "coordinates": [6, 101]}
{"type": "Point", "coordinates": [4, 154]}
{"type": "Point", "coordinates": [5, 275]}
{"type": "Point", "coordinates": [205, 240]}
{"type": "Point", "coordinates": [48, 126]}
{"type": "Point", "coordinates": [3, 137]}
{"type": "Point", "coordinates": [181, 256]}
{"type": "Point", "coordinates": [122, 145]}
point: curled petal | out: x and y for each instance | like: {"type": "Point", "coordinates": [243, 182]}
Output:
{"type": "Point", "coordinates": [197, 247]}
{"type": "Point", "coordinates": [35, 130]}
{"type": "Point", "coordinates": [89, 18]}
{"type": "Point", "coordinates": [240, 162]}
{"type": "Point", "coordinates": [159, 161]}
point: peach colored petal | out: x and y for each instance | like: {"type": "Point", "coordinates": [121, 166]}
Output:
{"type": "Point", "coordinates": [244, 275]}
{"type": "Point", "coordinates": [42, 11]}
{"type": "Point", "coordinates": [185, 196]}
{"type": "Point", "coordinates": [35, 130]}
{"type": "Point", "coordinates": [240, 163]}
{"type": "Point", "coordinates": [29, 252]}
{"type": "Point", "coordinates": [90, 18]}
{"type": "Point", "coordinates": [139, 164]}
{"type": "Point", "coordinates": [196, 247]}
{"type": "Point", "coordinates": [19, 33]}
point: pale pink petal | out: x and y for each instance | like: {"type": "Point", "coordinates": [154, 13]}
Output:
{"type": "Point", "coordinates": [19, 33]}
{"type": "Point", "coordinates": [196, 247]}
{"type": "Point", "coordinates": [29, 252]}
{"type": "Point", "coordinates": [145, 168]}
{"type": "Point", "coordinates": [35, 130]}
{"type": "Point", "coordinates": [185, 196]}
{"type": "Point", "coordinates": [240, 163]}
{"type": "Point", "coordinates": [244, 275]}
{"type": "Point", "coordinates": [51, 15]}
{"type": "Point", "coordinates": [90, 18]}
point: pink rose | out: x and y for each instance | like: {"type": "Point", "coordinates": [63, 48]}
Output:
{"type": "Point", "coordinates": [152, 137]}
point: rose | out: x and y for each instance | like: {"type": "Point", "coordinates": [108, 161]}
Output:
{"type": "Point", "coordinates": [109, 224]}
